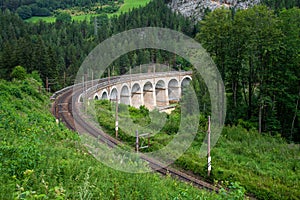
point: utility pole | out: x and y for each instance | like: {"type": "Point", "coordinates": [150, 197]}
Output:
{"type": "Point", "coordinates": [108, 72]}
{"type": "Point", "coordinates": [95, 27]}
{"type": "Point", "coordinates": [85, 92]}
{"type": "Point", "coordinates": [208, 149]}
{"type": "Point", "coordinates": [52, 82]}
{"type": "Point", "coordinates": [47, 84]}
{"type": "Point", "coordinates": [137, 141]}
{"type": "Point", "coordinates": [92, 78]}
{"type": "Point", "coordinates": [64, 79]}
{"type": "Point", "coordinates": [117, 120]}
{"type": "Point", "coordinates": [130, 78]}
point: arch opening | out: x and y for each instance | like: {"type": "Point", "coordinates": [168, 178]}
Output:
{"type": "Point", "coordinates": [148, 95]}
{"type": "Point", "coordinates": [113, 95]}
{"type": "Point", "coordinates": [136, 95]}
{"type": "Point", "coordinates": [104, 95]}
{"type": "Point", "coordinates": [160, 92]}
{"type": "Point", "coordinates": [173, 91]}
{"type": "Point", "coordinates": [124, 95]}
{"type": "Point", "coordinates": [185, 83]}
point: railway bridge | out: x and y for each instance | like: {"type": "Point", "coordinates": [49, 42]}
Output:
{"type": "Point", "coordinates": [153, 90]}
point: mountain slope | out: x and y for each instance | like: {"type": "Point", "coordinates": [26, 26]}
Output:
{"type": "Point", "coordinates": [196, 9]}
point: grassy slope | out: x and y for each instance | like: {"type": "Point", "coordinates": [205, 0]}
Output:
{"type": "Point", "coordinates": [266, 166]}
{"type": "Point", "coordinates": [40, 159]}
{"type": "Point", "coordinates": [37, 19]}
{"type": "Point", "coordinates": [128, 4]}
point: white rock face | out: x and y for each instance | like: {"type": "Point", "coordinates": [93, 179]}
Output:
{"type": "Point", "coordinates": [195, 9]}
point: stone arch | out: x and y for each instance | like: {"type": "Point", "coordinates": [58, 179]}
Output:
{"type": "Point", "coordinates": [104, 94]}
{"type": "Point", "coordinates": [173, 90]}
{"type": "Point", "coordinates": [185, 81]}
{"type": "Point", "coordinates": [80, 98]}
{"type": "Point", "coordinates": [148, 95]}
{"type": "Point", "coordinates": [160, 93]}
{"type": "Point", "coordinates": [113, 94]}
{"type": "Point", "coordinates": [136, 95]}
{"type": "Point", "coordinates": [125, 95]}
{"type": "Point", "coordinates": [96, 97]}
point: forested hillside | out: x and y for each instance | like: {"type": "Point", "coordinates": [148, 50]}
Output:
{"type": "Point", "coordinates": [58, 48]}
{"type": "Point", "coordinates": [256, 51]}
{"type": "Point", "coordinates": [40, 159]}
{"type": "Point", "coordinates": [280, 4]}
{"type": "Point", "coordinates": [50, 5]}
{"type": "Point", "coordinates": [28, 8]}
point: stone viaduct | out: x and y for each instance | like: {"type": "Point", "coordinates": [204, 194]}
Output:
{"type": "Point", "coordinates": [154, 90]}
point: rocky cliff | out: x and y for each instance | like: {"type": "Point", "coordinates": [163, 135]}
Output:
{"type": "Point", "coordinates": [195, 9]}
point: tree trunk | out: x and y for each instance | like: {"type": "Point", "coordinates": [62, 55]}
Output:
{"type": "Point", "coordinates": [260, 118]}
{"type": "Point", "coordinates": [250, 88]}
{"type": "Point", "coordinates": [295, 115]}
{"type": "Point", "coordinates": [234, 89]}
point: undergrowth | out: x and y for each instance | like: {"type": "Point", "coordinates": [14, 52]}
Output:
{"type": "Point", "coordinates": [40, 159]}
{"type": "Point", "coordinates": [266, 166]}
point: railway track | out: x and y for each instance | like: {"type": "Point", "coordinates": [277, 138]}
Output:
{"type": "Point", "coordinates": [62, 109]}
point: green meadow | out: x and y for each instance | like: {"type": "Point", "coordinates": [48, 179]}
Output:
{"type": "Point", "coordinates": [127, 6]}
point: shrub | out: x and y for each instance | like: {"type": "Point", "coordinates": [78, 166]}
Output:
{"type": "Point", "coordinates": [24, 12]}
{"type": "Point", "coordinates": [63, 18]}
{"type": "Point", "coordinates": [19, 73]}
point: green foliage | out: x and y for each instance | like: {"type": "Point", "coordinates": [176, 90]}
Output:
{"type": "Point", "coordinates": [44, 160]}
{"type": "Point", "coordinates": [110, 9]}
{"type": "Point", "coordinates": [52, 5]}
{"type": "Point", "coordinates": [63, 18]}
{"type": "Point", "coordinates": [42, 9]}
{"type": "Point", "coordinates": [37, 11]}
{"type": "Point", "coordinates": [24, 12]}
{"type": "Point", "coordinates": [55, 49]}
{"type": "Point", "coordinates": [18, 73]}
{"type": "Point", "coordinates": [263, 165]}
{"type": "Point", "coordinates": [131, 4]}
{"type": "Point", "coordinates": [280, 4]}
{"type": "Point", "coordinates": [257, 54]}
{"type": "Point", "coordinates": [172, 124]}
{"type": "Point", "coordinates": [35, 75]}
{"type": "Point", "coordinates": [254, 160]}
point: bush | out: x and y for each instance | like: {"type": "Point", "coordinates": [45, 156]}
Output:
{"type": "Point", "coordinates": [110, 9]}
{"type": "Point", "coordinates": [24, 12]}
{"type": "Point", "coordinates": [37, 11]}
{"type": "Point", "coordinates": [63, 18]}
{"type": "Point", "coordinates": [35, 75]}
{"type": "Point", "coordinates": [18, 73]}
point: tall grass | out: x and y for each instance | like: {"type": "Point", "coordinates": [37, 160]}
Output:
{"type": "Point", "coordinates": [40, 159]}
{"type": "Point", "coordinates": [266, 166]}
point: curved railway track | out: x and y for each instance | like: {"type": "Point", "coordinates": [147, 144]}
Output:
{"type": "Point", "coordinates": [62, 109]}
